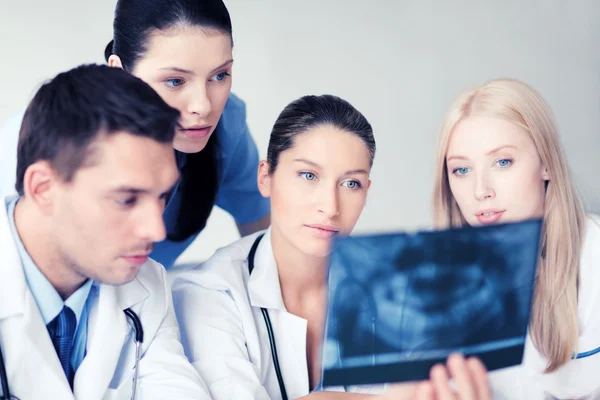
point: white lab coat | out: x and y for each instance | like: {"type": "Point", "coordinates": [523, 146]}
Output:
{"type": "Point", "coordinates": [223, 330]}
{"type": "Point", "coordinates": [578, 379]}
{"type": "Point", "coordinates": [34, 370]}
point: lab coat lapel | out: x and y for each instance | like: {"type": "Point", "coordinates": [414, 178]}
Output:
{"type": "Point", "coordinates": [32, 365]}
{"type": "Point", "coordinates": [107, 331]}
{"type": "Point", "coordinates": [289, 330]}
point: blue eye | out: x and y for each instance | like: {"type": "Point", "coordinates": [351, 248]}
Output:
{"type": "Point", "coordinates": [220, 76]}
{"type": "Point", "coordinates": [174, 82]}
{"type": "Point", "coordinates": [309, 176]}
{"type": "Point", "coordinates": [354, 185]}
{"type": "Point", "coordinates": [460, 171]}
{"type": "Point", "coordinates": [504, 163]}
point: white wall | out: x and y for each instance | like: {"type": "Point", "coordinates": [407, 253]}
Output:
{"type": "Point", "coordinates": [400, 62]}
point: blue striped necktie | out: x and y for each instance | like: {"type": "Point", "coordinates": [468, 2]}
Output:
{"type": "Point", "coordinates": [62, 331]}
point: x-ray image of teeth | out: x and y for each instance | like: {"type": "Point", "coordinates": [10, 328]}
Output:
{"type": "Point", "coordinates": [399, 303]}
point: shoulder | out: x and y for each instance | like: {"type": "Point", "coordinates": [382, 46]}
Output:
{"type": "Point", "coordinates": [590, 251]}
{"type": "Point", "coordinates": [232, 125]}
{"type": "Point", "coordinates": [234, 105]}
{"type": "Point", "coordinates": [226, 270]}
{"type": "Point", "coordinates": [592, 228]}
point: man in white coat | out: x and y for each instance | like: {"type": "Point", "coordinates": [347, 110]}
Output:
{"type": "Point", "coordinates": [95, 163]}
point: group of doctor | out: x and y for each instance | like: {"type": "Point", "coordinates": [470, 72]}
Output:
{"type": "Point", "coordinates": [97, 202]}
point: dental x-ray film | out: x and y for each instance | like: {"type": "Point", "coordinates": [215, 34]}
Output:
{"type": "Point", "coordinates": [401, 302]}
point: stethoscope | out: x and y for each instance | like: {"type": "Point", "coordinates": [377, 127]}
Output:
{"type": "Point", "coordinates": [265, 313]}
{"type": "Point", "coordinates": [139, 339]}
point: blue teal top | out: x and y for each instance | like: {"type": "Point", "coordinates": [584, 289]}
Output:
{"type": "Point", "coordinates": [237, 193]}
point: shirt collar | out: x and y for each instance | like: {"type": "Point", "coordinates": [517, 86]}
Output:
{"type": "Point", "coordinates": [46, 297]}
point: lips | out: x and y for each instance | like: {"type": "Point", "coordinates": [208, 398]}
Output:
{"type": "Point", "coordinates": [136, 259]}
{"type": "Point", "coordinates": [196, 132]}
{"type": "Point", "coordinates": [489, 216]}
{"type": "Point", "coordinates": [323, 231]}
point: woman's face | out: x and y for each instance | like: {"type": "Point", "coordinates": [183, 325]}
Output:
{"type": "Point", "coordinates": [190, 68]}
{"type": "Point", "coordinates": [318, 189]}
{"type": "Point", "coordinates": [495, 172]}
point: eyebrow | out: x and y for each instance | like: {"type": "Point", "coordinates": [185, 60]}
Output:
{"type": "Point", "coordinates": [314, 164]}
{"type": "Point", "coordinates": [495, 150]}
{"type": "Point", "coordinates": [135, 191]}
{"type": "Point", "coordinates": [187, 71]}
{"type": "Point", "coordinates": [226, 63]}
{"type": "Point", "coordinates": [129, 190]}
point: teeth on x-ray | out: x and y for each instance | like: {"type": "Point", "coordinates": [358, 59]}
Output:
{"type": "Point", "coordinates": [400, 303]}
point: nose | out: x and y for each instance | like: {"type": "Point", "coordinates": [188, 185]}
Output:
{"type": "Point", "coordinates": [151, 226]}
{"type": "Point", "coordinates": [199, 101]}
{"type": "Point", "coordinates": [483, 187]}
{"type": "Point", "coordinates": [328, 202]}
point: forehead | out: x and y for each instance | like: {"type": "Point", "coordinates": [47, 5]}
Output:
{"type": "Point", "coordinates": [191, 48]}
{"type": "Point", "coordinates": [328, 145]}
{"type": "Point", "coordinates": [126, 159]}
{"type": "Point", "coordinates": [481, 134]}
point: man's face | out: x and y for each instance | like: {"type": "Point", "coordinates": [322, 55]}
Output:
{"type": "Point", "coordinates": [107, 218]}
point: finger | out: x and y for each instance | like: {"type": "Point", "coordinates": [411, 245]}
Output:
{"type": "Point", "coordinates": [440, 382]}
{"type": "Point", "coordinates": [462, 376]}
{"type": "Point", "coordinates": [480, 378]}
{"type": "Point", "coordinates": [424, 392]}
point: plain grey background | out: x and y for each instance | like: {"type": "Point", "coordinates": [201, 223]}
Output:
{"type": "Point", "coordinates": [399, 62]}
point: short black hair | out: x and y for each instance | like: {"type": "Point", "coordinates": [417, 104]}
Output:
{"type": "Point", "coordinates": [70, 111]}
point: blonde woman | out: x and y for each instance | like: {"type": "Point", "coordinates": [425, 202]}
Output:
{"type": "Point", "coordinates": [499, 159]}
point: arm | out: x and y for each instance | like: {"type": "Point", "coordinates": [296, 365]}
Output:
{"type": "Point", "coordinates": [214, 341]}
{"type": "Point", "coordinates": [238, 193]}
{"type": "Point", "coordinates": [164, 371]}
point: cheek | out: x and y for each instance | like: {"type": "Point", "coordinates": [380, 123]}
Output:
{"type": "Point", "coordinates": [171, 97]}
{"type": "Point", "coordinates": [461, 190]}
{"type": "Point", "coordinates": [526, 194]}
{"type": "Point", "coordinates": [290, 198]}
{"type": "Point", "coordinates": [351, 206]}
{"type": "Point", "coordinates": [218, 95]}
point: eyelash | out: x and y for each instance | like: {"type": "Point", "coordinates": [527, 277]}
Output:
{"type": "Point", "coordinates": [304, 174]}
{"type": "Point", "coordinates": [509, 160]}
{"type": "Point", "coordinates": [127, 203]}
{"type": "Point", "coordinates": [170, 80]}
{"type": "Point", "coordinates": [223, 75]}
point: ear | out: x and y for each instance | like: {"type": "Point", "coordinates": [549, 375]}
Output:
{"type": "Point", "coordinates": [545, 174]}
{"type": "Point", "coordinates": [264, 179]}
{"type": "Point", "coordinates": [115, 61]}
{"type": "Point", "coordinates": [39, 185]}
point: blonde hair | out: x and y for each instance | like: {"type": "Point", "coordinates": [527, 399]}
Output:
{"type": "Point", "coordinates": [554, 325]}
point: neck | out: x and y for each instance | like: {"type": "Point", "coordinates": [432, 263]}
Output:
{"type": "Point", "coordinates": [36, 236]}
{"type": "Point", "coordinates": [301, 276]}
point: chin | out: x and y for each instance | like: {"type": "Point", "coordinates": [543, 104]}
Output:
{"type": "Point", "coordinates": [190, 147]}
{"type": "Point", "coordinates": [315, 249]}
